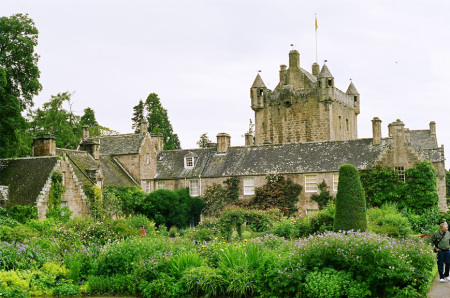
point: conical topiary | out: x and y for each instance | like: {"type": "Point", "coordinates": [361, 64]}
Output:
{"type": "Point", "coordinates": [350, 201]}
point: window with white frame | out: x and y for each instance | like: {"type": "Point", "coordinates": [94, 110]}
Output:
{"type": "Point", "coordinates": [147, 186]}
{"type": "Point", "coordinates": [311, 183]}
{"type": "Point", "coordinates": [249, 186]}
{"type": "Point", "coordinates": [193, 188]}
{"type": "Point", "coordinates": [147, 158]}
{"type": "Point", "coordinates": [160, 185]}
{"type": "Point", "coordinates": [401, 173]}
{"type": "Point", "coordinates": [335, 181]}
{"type": "Point", "coordinates": [63, 204]}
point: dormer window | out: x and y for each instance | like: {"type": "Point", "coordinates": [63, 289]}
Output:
{"type": "Point", "coordinates": [189, 160]}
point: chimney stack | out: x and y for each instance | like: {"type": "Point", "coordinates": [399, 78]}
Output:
{"type": "Point", "coordinates": [433, 128]}
{"type": "Point", "coordinates": [158, 141]}
{"type": "Point", "coordinates": [144, 127]}
{"type": "Point", "coordinates": [85, 131]}
{"type": "Point", "coordinates": [223, 142]}
{"type": "Point", "coordinates": [44, 145]}
{"type": "Point", "coordinates": [376, 130]}
{"type": "Point", "coordinates": [248, 139]}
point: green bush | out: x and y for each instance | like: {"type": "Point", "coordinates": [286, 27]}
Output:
{"type": "Point", "coordinates": [65, 289]}
{"type": "Point", "coordinates": [317, 222]}
{"type": "Point", "coordinates": [8, 221]}
{"type": "Point", "coordinates": [17, 234]}
{"type": "Point", "coordinates": [200, 235]}
{"type": "Point", "coordinates": [117, 284]}
{"type": "Point", "coordinates": [388, 220]}
{"type": "Point", "coordinates": [324, 198]}
{"type": "Point", "coordinates": [283, 228]}
{"type": "Point", "coordinates": [22, 214]}
{"type": "Point", "coordinates": [350, 201]}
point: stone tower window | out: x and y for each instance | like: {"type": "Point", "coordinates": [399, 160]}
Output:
{"type": "Point", "coordinates": [340, 126]}
{"type": "Point", "coordinates": [147, 158]}
{"type": "Point", "coordinates": [355, 98]}
{"type": "Point", "coordinates": [346, 122]}
{"type": "Point", "coordinates": [261, 91]}
{"type": "Point", "coordinates": [330, 83]}
{"type": "Point", "coordinates": [320, 84]}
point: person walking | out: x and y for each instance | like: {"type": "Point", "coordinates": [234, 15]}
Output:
{"type": "Point", "coordinates": [441, 241]}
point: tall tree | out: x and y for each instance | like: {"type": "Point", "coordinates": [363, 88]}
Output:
{"type": "Point", "coordinates": [19, 78]}
{"type": "Point", "coordinates": [204, 141]}
{"type": "Point", "coordinates": [138, 115]}
{"type": "Point", "coordinates": [158, 122]}
{"type": "Point", "coordinates": [88, 118]}
{"type": "Point", "coordinates": [350, 201]}
{"type": "Point", "coordinates": [53, 118]}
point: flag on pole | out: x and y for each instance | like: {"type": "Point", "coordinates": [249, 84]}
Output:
{"type": "Point", "coordinates": [316, 23]}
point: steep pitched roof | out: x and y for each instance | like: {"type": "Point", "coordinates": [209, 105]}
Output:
{"type": "Point", "coordinates": [325, 72]}
{"type": "Point", "coordinates": [258, 83]}
{"type": "Point", "coordinates": [352, 89]}
{"type": "Point", "coordinates": [260, 160]}
{"type": "Point", "coordinates": [311, 77]}
{"type": "Point", "coordinates": [113, 174]}
{"type": "Point", "coordinates": [26, 177]}
{"type": "Point", "coordinates": [119, 144]}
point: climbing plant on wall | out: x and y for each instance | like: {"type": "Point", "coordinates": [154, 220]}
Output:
{"type": "Point", "coordinates": [57, 189]}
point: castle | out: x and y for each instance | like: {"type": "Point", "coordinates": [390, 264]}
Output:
{"type": "Point", "coordinates": [305, 129]}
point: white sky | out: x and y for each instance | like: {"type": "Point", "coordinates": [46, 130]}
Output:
{"type": "Point", "coordinates": [201, 57]}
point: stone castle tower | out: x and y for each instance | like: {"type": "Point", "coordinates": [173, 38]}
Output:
{"type": "Point", "coordinates": [304, 107]}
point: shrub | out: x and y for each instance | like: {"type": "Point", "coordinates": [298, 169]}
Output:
{"type": "Point", "coordinates": [173, 231]}
{"type": "Point", "coordinates": [65, 289]}
{"type": "Point", "coordinates": [203, 281]}
{"type": "Point", "coordinates": [139, 220]}
{"type": "Point", "coordinates": [324, 197]}
{"type": "Point", "coordinates": [381, 185]}
{"type": "Point", "coordinates": [201, 235]}
{"type": "Point", "coordinates": [283, 228]}
{"type": "Point", "coordinates": [388, 220]}
{"type": "Point", "coordinates": [279, 193]}
{"type": "Point", "coordinates": [117, 283]}
{"type": "Point", "coordinates": [22, 214]}
{"type": "Point", "coordinates": [183, 261]}
{"type": "Point", "coordinates": [214, 198]}
{"type": "Point", "coordinates": [350, 201]}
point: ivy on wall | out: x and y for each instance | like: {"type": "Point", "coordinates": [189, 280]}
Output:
{"type": "Point", "coordinates": [57, 190]}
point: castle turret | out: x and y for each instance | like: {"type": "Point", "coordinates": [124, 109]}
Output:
{"type": "Point", "coordinates": [294, 59]}
{"type": "Point", "coordinates": [257, 93]}
{"type": "Point", "coordinates": [283, 75]}
{"type": "Point", "coordinates": [326, 83]}
{"type": "Point", "coordinates": [351, 91]}
{"type": "Point", "coordinates": [315, 69]}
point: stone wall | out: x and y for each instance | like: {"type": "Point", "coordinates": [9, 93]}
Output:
{"type": "Point", "coordinates": [131, 162]}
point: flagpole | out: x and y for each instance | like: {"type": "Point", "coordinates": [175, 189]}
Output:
{"type": "Point", "coordinates": [316, 35]}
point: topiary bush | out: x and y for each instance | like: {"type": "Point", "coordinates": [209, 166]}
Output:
{"type": "Point", "coordinates": [350, 201]}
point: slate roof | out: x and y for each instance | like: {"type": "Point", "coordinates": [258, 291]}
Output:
{"type": "Point", "coordinates": [113, 174]}
{"type": "Point", "coordinates": [325, 72]}
{"type": "Point", "coordinates": [258, 83]}
{"type": "Point", "coordinates": [119, 144]}
{"type": "Point", "coordinates": [260, 160]}
{"type": "Point", "coordinates": [311, 77]}
{"type": "Point", "coordinates": [26, 177]}
{"type": "Point", "coordinates": [352, 89]}
{"type": "Point", "coordinates": [426, 144]}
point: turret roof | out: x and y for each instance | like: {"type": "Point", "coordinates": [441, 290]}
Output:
{"type": "Point", "coordinates": [258, 83]}
{"type": "Point", "coordinates": [352, 89]}
{"type": "Point", "coordinates": [325, 72]}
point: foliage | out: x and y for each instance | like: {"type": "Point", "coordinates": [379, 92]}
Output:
{"type": "Point", "coordinates": [234, 217]}
{"type": "Point", "coordinates": [57, 189]}
{"type": "Point", "coordinates": [131, 198]}
{"type": "Point", "coordinates": [19, 79]}
{"type": "Point", "coordinates": [88, 118]}
{"type": "Point", "coordinates": [424, 223]}
{"type": "Point", "coordinates": [138, 116]}
{"type": "Point", "coordinates": [214, 198]}
{"type": "Point", "coordinates": [172, 208]}
{"type": "Point", "coordinates": [350, 201]}
{"type": "Point", "coordinates": [421, 190]}
{"type": "Point", "coordinates": [447, 183]}
{"type": "Point", "coordinates": [158, 122]}
{"type": "Point", "coordinates": [22, 214]}
{"type": "Point", "coordinates": [279, 193]}
{"type": "Point", "coordinates": [204, 141]}
{"type": "Point", "coordinates": [388, 220]}
{"type": "Point", "coordinates": [232, 189]}
{"type": "Point", "coordinates": [324, 197]}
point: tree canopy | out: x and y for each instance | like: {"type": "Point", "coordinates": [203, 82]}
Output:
{"type": "Point", "coordinates": [19, 78]}
{"type": "Point", "coordinates": [204, 140]}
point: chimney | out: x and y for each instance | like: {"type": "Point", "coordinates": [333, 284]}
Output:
{"type": "Point", "coordinates": [85, 131]}
{"type": "Point", "coordinates": [397, 132]}
{"type": "Point", "coordinates": [223, 142]}
{"type": "Point", "coordinates": [91, 147]}
{"type": "Point", "coordinates": [44, 145]}
{"type": "Point", "coordinates": [376, 130]}
{"type": "Point", "coordinates": [144, 127]}
{"type": "Point", "coordinates": [294, 59]}
{"type": "Point", "coordinates": [433, 128]}
{"type": "Point", "coordinates": [248, 139]}
{"type": "Point", "coordinates": [158, 141]}
{"type": "Point", "coordinates": [283, 73]}
{"type": "Point", "coordinates": [315, 69]}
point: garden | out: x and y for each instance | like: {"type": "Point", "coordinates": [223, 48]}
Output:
{"type": "Point", "coordinates": [136, 244]}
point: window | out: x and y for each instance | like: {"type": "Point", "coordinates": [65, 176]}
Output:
{"type": "Point", "coordinates": [147, 158]}
{"type": "Point", "coordinates": [346, 122]}
{"type": "Point", "coordinates": [147, 186]}
{"type": "Point", "coordinates": [340, 126]}
{"type": "Point", "coordinates": [63, 204]}
{"type": "Point", "coordinates": [401, 173]}
{"type": "Point", "coordinates": [249, 186]}
{"type": "Point", "coordinates": [335, 181]}
{"type": "Point", "coordinates": [189, 160]}
{"type": "Point", "coordinates": [193, 188]}
{"type": "Point", "coordinates": [63, 178]}
{"type": "Point", "coordinates": [330, 83]}
{"type": "Point", "coordinates": [160, 185]}
{"type": "Point", "coordinates": [311, 183]}
{"type": "Point", "coordinates": [355, 98]}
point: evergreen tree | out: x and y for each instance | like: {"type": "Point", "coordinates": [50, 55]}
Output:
{"type": "Point", "coordinates": [350, 201]}
{"type": "Point", "coordinates": [19, 79]}
{"type": "Point", "coordinates": [138, 116]}
{"type": "Point", "coordinates": [88, 118]}
{"type": "Point", "coordinates": [158, 122]}
{"type": "Point", "coordinates": [204, 141]}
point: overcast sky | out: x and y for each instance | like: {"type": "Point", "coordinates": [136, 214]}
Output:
{"type": "Point", "coordinates": [201, 57]}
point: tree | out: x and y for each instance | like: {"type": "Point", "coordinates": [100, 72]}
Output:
{"type": "Point", "coordinates": [88, 118]}
{"type": "Point", "coordinates": [421, 190]}
{"type": "Point", "coordinates": [158, 122]}
{"type": "Point", "coordinates": [279, 193]}
{"type": "Point", "coordinates": [19, 78]}
{"type": "Point", "coordinates": [138, 115]}
{"type": "Point", "coordinates": [53, 118]}
{"type": "Point", "coordinates": [350, 201]}
{"type": "Point", "coordinates": [204, 141]}
{"type": "Point", "coordinates": [381, 185]}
